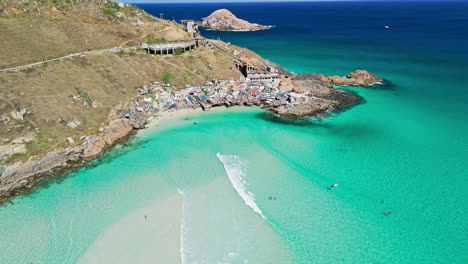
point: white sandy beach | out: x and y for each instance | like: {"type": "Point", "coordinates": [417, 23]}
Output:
{"type": "Point", "coordinates": [186, 112]}
{"type": "Point", "coordinates": [157, 237]}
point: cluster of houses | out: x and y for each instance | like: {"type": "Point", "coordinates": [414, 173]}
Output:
{"type": "Point", "coordinates": [160, 96]}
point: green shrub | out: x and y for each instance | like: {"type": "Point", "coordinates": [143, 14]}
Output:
{"type": "Point", "coordinates": [13, 157]}
{"type": "Point", "coordinates": [178, 51]}
{"type": "Point", "coordinates": [166, 78]}
{"type": "Point", "coordinates": [109, 10]}
{"type": "Point", "coordinates": [86, 97]}
{"type": "Point", "coordinates": [151, 40]}
{"type": "Point", "coordinates": [62, 4]}
{"type": "Point", "coordinates": [148, 16]}
{"type": "Point", "coordinates": [132, 53]}
{"type": "Point", "coordinates": [132, 10]}
{"type": "Point", "coordinates": [189, 74]}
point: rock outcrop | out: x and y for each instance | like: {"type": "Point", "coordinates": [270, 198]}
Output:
{"type": "Point", "coordinates": [17, 146]}
{"type": "Point", "coordinates": [317, 106]}
{"type": "Point", "coordinates": [95, 145]}
{"type": "Point", "coordinates": [224, 20]}
{"type": "Point", "coordinates": [314, 95]}
{"type": "Point", "coordinates": [357, 78]}
{"type": "Point", "coordinates": [9, 150]}
{"type": "Point", "coordinates": [21, 175]}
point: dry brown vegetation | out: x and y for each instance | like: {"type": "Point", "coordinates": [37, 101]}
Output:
{"type": "Point", "coordinates": [32, 40]}
{"type": "Point", "coordinates": [108, 79]}
{"type": "Point", "coordinates": [45, 31]}
{"type": "Point", "coordinates": [55, 94]}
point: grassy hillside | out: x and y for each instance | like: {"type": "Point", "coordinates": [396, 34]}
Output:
{"type": "Point", "coordinates": [51, 93]}
{"type": "Point", "coordinates": [85, 90]}
{"type": "Point", "coordinates": [33, 31]}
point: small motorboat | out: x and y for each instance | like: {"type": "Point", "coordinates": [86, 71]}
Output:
{"type": "Point", "coordinates": [333, 186]}
{"type": "Point", "coordinates": [387, 27]}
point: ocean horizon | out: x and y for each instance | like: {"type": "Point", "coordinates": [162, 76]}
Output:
{"type": "Point", "coordinates": [242, 186]}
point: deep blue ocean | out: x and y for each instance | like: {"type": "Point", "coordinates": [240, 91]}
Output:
{"type": "Point", "coordinates": [205, 188]}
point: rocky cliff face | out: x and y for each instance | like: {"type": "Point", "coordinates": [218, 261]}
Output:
{"type": "Point", "coordinates": [21, 175]}
{"type": "Point", "coordinates": [224, 20]}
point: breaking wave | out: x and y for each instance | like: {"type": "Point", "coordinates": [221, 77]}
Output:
{"type": "Point", "coordinates": [183, 229]}
{"type": "Point", "coordinates": [235, 169]}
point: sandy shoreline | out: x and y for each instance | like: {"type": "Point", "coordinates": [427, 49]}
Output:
{"type": "Point", "coordinates": [67, 161]}
{"type": "Point", "coordinates": [155, 228]}
{"type": "Point", "coordinates": [186, 112]}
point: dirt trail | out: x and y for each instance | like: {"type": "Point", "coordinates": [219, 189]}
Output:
{"type": "Point", "coordinates": [185, 69]}
{"type": "Point", "coordinates": [114, 49]}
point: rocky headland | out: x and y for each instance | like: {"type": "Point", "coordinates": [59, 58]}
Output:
{"type": "Point", "coordinates": [57, 115]}
{"type": "Point", "coordinates": [19, 177]}
{"type": "Point", "coordinates": [224, 20]}
{"type": "Point", "coordinates": [321, 96]}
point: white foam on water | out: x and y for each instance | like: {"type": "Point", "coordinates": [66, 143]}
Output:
{"type": "Point", "coordinates": [182, 229]}
{"type": "Point", "coordinates": [235, 167]}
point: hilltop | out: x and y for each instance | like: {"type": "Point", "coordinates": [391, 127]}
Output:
{"type": "Point", "coordinates": [224, 20]}
{"type": "Point", "coordinates": [40, 30]}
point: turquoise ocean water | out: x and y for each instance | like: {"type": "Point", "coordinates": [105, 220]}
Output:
{"type": "Point", "coordinates": [404, 150]}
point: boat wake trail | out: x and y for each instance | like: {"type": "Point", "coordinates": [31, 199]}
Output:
{"type": "Point", "coordinates": [235, 169]}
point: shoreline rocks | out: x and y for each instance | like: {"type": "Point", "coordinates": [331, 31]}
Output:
{"type": "Point", "coordinates": [224, 20]}
{"type": "Point", "coordinates": [308, 95]}
{"type": "Point", "coordinates": [20, 176]}
{"type": "Point", "coordinates": [321, 97]}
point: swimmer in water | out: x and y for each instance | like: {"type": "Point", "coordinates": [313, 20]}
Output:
{"type": "Point", "coordinates": [390, 213]}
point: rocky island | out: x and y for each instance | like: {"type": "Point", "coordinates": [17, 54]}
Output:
{"type": "Point", "coordinates": [357, 78]}
{"type": "Point", "coordinates": [224, 20]}
{"type": "Point", "coordinates": [124, 69]}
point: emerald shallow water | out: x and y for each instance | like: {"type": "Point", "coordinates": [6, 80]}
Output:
{"type": "Point", "coordinates": [380, 164]}
{"type": "Point", "coordinates": [205, 187]}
